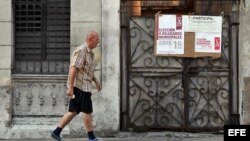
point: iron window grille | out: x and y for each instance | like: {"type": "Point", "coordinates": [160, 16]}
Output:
{"type": "Point", "coordinates": [42, 36]}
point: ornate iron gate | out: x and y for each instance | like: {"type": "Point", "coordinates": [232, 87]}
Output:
{"type": "Point", "coordinates": [170, 93]}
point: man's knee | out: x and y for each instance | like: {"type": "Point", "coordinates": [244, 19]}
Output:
{"type": "Point", "coordinates": [71, 114]}
{"type": "Point", "coordinates": [87, 117]}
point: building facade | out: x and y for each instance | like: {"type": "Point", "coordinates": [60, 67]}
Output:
{"type": "Point", "coordinates": [39, 36]}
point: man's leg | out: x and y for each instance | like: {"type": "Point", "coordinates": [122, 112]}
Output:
{"type": "Point", "coordinates": [66, 119]}
{"type": "Point", "coordinates": [62, 123]}
{"type": "Point", "coordinates": [87, 121]}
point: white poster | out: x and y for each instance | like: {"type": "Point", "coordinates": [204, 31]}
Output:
{"type": "Point", "coordinates": [207, 31]}
{"type": "Point", "coordinates": [170, 37]}
{"type": "Point", "coordinates": [208, 42]}
{"type": "Point", "coordinates": [209, 24]}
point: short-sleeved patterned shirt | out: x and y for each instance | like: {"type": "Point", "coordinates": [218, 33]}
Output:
{"type": "Point", "coordinates": [83, 60]}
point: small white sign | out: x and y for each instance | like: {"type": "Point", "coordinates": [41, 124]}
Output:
{"type": "Point", "coordinates": [170, 37]}
{"type": "Point", "coordinates": [208, 24]}
{"type": "Point", "coordinates": [208, 42]}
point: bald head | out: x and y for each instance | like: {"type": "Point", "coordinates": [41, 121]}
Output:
{"type": "Point", "coordinates": [92, 39]}
{"type": "Point", "coordinates": [91, 34]}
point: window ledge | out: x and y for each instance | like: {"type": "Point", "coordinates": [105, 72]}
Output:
{"type": "Point", "coordinates": [30, 78]}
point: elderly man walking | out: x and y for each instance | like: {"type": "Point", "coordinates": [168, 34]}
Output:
{"type": "Point", "coordinates": [81, 76]}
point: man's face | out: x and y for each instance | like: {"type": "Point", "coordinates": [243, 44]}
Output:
{"type": "Point", "coordinates": [94, 41]}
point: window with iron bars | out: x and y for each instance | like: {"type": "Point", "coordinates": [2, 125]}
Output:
{"type": "Point", "coordinates": [42, 36]}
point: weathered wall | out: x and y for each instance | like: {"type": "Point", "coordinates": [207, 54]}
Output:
{"type": "Point", "coordinates": [85, 16]}
{"type": "Point", "coordinates": [103, 17]}
{"type": "Point", "coordinates": [244, 63]}
{"type": "Point", "coordinates": [6, 41]}
{"type": "Point", "coordinates": [6, 45]}
{"type": "Point", "coordinates": [110, 114]}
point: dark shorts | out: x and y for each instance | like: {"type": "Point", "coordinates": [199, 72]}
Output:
{"type": "Point", "coordinates": [81, 103]}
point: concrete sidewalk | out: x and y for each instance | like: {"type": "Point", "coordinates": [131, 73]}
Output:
{"type": "Point", "coordinates": [162, 136]}
{"type": "Point", "coordinates": [103, 139]}
{"type": "Point", "coordinates": [132, 139]}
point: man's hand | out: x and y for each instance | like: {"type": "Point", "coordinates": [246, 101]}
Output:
{"type": "Point", "coordinates": [98, 86]}
{"type": "Point", "coordinates": [70, 92]}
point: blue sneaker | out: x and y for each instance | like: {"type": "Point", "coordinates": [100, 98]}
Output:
{"type": "Point", "coordinates": [55, 137]}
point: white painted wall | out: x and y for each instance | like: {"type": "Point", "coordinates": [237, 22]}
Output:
{"type": "Point", "coordinates": [244, 63]}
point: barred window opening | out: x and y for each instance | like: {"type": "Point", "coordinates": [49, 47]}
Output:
{"type": "Point", "coordinates": [42, 36]}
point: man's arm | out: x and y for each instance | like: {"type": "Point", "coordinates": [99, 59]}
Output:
{"type": "Point", "coordinates": [72, 75]}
